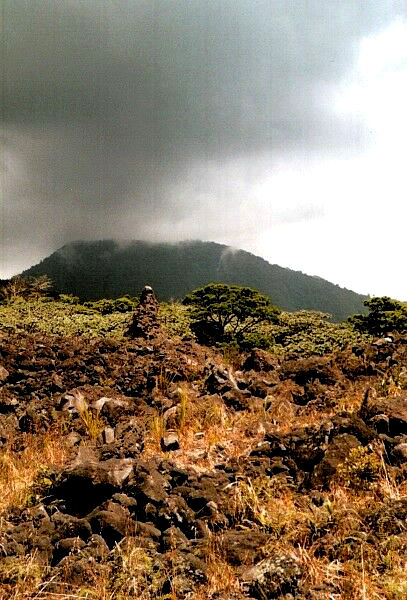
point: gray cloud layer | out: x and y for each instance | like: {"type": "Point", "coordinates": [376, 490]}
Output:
{"type": "Point", "coordinates": [108, 105]}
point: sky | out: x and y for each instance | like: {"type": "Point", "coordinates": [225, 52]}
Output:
{"type": "Point", "coordinates": [274, 126]}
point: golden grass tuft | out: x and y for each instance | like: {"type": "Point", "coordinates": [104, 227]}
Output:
{"type": "Point", "coordinates": [19, 471]}
{"type": "Point", "coordinates": [94, 424]}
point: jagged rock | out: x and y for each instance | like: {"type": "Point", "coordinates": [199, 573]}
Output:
{"type": "Point", "coordinates": [112, 525]}
{"type": "Point", "coordinates": [335, 455]}
{"type": "Point", "coordinates": [126, 501]}
{"type": "Point", "coordinates": [78, 570]}
{"type": "Point", "coordinates": [3, 373]}
{"type": "Point", "coordinates": [108, 435]}
{"type": "Point", "coordinates": [67, 546]}
{"type": "Point", "coordinates": [400, 452]}
{"type": "Point", "coordinates": [33, 420]}
{"type": "Point", "coordinates": [273, 577]}
{"type": "Point", "coordinates": [305, 370]}
{"type": "Point", "coordinates": [128, 440]}
{"type": "Point", "coordinates": [56, 382]}
{"type": "Point", "coordinates": [200, 492]}
{"type": "Point", "coordinates": [10, 547]}
{"type": "Point", "coordinates": [145, 323]}
{"type": "Point", "coordinates": [354, 425]}
{"type": "Point", "coordinates": [177, 507]}
{"type": "Point", "coordinates": [148, 485]}
{"type": "Point", "coordinates": [389, 519]}
{"type": "Point", "coordinates": [243, 547]}
{"type": "Point", "coordinates": [186, 570]}
{"type": "Point", "coordinates": [8, 405]}
{"type": "Point", "coordinates": [307, 446]}
{"type": "Point", "coordinates": [96, 548]}
{"type": "Point", "coordinates": [114, 471]}
{"type": "Point", "coordinates": [42, 546]}
{"type": "Point", "coordinates": [68, 526]}
{"type": "Point", "coordinates": [386, 415]}
{"type": "Point", "coordinates": [87, 482]}
{"type": "Point", "coordinates": [260, 360]}
{"type": "Point", "coordinates": [173, 538]}
{"type": "Point", "coordinates": [217, 382]}
{"type": "Point", "coordinates": [176, 512]}
{"type": "Point", "coordinates": [170, 442]}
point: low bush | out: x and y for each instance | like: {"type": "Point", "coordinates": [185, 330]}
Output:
{"type": "Point", "coordinates": [108, 306]}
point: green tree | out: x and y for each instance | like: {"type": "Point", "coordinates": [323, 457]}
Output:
{"type": "Point", "coordinates": [27, 288]}
{"type": "Point", "coordinates": [385, 315]}
{"type": "Point", "coordinates": [224, 313]}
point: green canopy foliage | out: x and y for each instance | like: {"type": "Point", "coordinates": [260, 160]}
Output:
{"type": "Point", "coordinates": [221, 312]}
{"type": "Point", "coordinates": [27, 288]}
{"type": "Point", "coordinates": [385, 315]}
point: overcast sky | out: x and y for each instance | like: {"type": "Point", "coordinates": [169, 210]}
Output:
{"type": "Point", "coordinates": [275, 126]}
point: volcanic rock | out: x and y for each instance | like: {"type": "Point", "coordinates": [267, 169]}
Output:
{"type": "Point", "coordinates": [273, 577]}
{"type": "Point", "coordinates": [145, 323]}
{"type": "Point", "coordinates": [170, 442]}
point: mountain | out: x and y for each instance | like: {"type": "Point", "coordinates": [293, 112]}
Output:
{"type": "Point", "coordinates": [109, 269]}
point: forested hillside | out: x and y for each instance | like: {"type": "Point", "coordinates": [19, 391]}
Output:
{"type": "Point", "coordinates": [108, 269]}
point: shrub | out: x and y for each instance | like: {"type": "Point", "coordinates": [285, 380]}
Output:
{"type": "Point", "coordinates": [68, 299]}
{"type": "Point", "coordinates": [174, 319]}
{"type": "Point", "coordinates": [360, 469]}
{"type": "Point", "coordinates": [107, 306]}
{"type": "Point", "coordinates": [305, 333]}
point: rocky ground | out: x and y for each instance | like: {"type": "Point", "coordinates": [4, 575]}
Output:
{"type": "Point", "coordinates": [156, 468]}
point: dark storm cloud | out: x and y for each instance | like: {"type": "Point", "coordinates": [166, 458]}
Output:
{"type": "Point", "coordinates": [108, 103]}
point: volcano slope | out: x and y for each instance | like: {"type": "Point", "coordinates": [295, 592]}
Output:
{"type": "Point", "coordinates": [155, 468]}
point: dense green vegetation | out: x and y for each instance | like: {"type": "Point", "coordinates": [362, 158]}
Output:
{"type": "Point", "coordinates": [305, 333]}
{"type": "Point", "coordinates": [217, 314]}
{"type": "Point", "coordinates": [385, 316]}
{"type": "Point", "coordinates": [60, 318]}
{"type": "Point", "coordinates": [107, 269]}
{"type": "Point", "coordinates": [296, 334]}
{"type": "Point", "coordinates": [221, 313]}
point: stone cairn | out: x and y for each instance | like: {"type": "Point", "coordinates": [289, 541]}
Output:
{"type": "Point", "coordinates": [145, 323]}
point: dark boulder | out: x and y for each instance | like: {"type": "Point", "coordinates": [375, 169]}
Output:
{"type": "Point", "coordinates": [386, 415]}
{"type": "Point", "coordinates": [336, 453]}
{"type": "Point", "coordinates": [260, 360]}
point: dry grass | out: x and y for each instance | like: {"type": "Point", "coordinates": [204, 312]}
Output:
{"type": "Point", "coordinates": [19, 471]}
{"type": "Point", "coordinates": [163, 381]}
{"type": "Point", "coordinates": [184, 408]}
{"type": "Point", "coordinates": [21, 577]}
{"type": "Point", "coordinates": [337, 548]}
{"type": "Point", "coordinates": [222, 578]}
{"type": "Point", "coordinates": [94, 424]}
